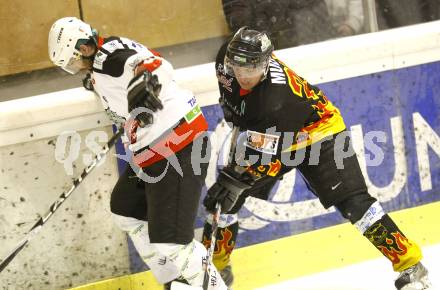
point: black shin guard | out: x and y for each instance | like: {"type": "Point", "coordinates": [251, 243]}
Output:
{"type": "Point", "coordinates": [383, 233]}
{"type": "Point", "coordinates": [393, 244]}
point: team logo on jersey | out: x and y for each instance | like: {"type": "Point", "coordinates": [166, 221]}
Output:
{"type": "Point", "coordinates": [226, 82]}
{"type": "Point", "coordinates": [193, 114]}
{"type": "Point", "coordinates": [223, 79]}
{"type": "Point", "coordinates": [99, 60]}
{"type": "Point", "coordinates": [260, 142]}
{"type": "Point", "coordinates": [221, 69]}
{"type": "Point", "coordinates": [302, 137]}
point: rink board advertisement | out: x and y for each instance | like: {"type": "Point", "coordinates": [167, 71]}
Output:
{"type": "Point", "coordinates": [404, 104]}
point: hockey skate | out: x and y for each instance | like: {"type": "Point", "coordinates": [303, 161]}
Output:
{"type": "Point", "coordinates": [183, 286]}
{"type": "Point", "coordinates": [227, 276]}
{"type": "Point", "coordinates": [413, 278]}
{"type": "Point", "coordinates": [178, 284]}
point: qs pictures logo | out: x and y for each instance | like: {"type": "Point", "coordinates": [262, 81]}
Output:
{"type": "Point", "coordinates": [279, 208]}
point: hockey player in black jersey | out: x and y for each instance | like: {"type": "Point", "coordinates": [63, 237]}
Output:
{"type": "Point", "coordinates": [158, 215]}
{"type": "Point", "coordinates": [281, 116]}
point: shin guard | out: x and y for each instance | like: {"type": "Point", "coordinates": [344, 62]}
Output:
{"type": "Point", "coordinates": [226, 236]}
{"type": "Point", "coordinates": [384, 234]}
{"type": "Point", "coordinates": [189, 260]}
{"type": "Point", "coordinates": [157, 262]}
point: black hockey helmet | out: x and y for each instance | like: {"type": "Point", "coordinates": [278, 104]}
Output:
{"type": "Point", "coordinates": [248, 48]}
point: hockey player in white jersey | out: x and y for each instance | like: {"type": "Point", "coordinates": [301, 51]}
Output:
{"type": "Point", "coordinates": [162, 134]}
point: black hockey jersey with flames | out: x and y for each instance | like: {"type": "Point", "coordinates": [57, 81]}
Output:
{"type": "Point", "coordinates": [282, 114]}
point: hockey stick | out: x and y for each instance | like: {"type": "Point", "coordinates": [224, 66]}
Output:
{"type": "Point", "coordinates": [76, 182]}
{"type": "Point", "coordinates": [210, 255]}
{"type": "Point", "coordinates": [216, 215]}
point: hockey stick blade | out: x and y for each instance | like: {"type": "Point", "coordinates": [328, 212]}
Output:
{"type": "Point", "coordinates": [37, 226]}
{"type": "Point", "coordinates": [5, 262]}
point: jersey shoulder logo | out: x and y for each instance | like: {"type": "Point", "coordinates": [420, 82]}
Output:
{"type": "Point", "coordinates": [99, 60]}
{"type": "Point", "coordinates": [224, 79]}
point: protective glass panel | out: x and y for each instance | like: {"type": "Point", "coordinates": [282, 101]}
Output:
{"type": "Point", "coordinates": [190, 32]}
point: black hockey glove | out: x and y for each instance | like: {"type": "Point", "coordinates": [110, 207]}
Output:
{"type": "Point", "coordinates": [88, 82]}
{"type": "Point", "coordinates": [226, 190]}
{"type": "Point", "coordinates": [143, 92]}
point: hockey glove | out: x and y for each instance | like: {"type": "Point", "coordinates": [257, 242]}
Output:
{"type": "Point", "coordinates": [88, 82]}
{"type": "Point", "coordinates": [143, 92]}
{"type": "Point", "coordinates": [226, 190]}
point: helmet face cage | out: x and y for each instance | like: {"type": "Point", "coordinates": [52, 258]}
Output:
{"type": "Point", "coordinates": [236, 69]}
{"type": "Point", "coordinates": [65, 38]}
{"type": "Point", "coordinates": [248, 52]}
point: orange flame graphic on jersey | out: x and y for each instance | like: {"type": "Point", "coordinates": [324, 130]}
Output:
{"type": "Point", "coordinates": [301, 88]}
{"type": "Point", "coordinates": [274, 168]}
{"type": "Point", "coordinates": [327, 121]}
{"type": "Point", "coordinates": [322, 106]}
{"type": "Point", "coordinates": [396, 247]}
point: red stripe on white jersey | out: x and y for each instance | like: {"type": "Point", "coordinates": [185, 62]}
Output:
{"type": "Point", "coordinates": [172, 143]}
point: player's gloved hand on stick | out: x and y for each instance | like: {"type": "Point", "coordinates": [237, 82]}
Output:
{"type": "Point", "coordinates": [226, 190]}
{"type": "Point", "coordinates": [88, 82]}
{"type": "Point", "coordinates": [143, 92]}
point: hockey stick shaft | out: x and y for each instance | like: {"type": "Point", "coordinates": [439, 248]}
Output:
{"type": "Point", "coordinates": [210, 254]}
{"type": "Point", "coordinates": [42, 220]}
{"type": "Point", "coordinates": [216, 215]}
{"type": "Point", "coordinates": [234, 139]}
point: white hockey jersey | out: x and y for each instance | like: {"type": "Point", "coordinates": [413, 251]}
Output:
{"type": "Point", "coordinates": [174, 127]}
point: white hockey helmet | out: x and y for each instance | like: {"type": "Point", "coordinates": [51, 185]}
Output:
{"type": "Point", "coordinates": [65, 37]}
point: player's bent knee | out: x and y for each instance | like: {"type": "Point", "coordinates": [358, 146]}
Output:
{"type": "Point", "coordinates": [128, 224]}
{"type": "Point", "coordinates": [356, 206]}
{"type": "Point", "coordinates": [374, 213]}
{"type": "Point", "coordinates": [138, 232]}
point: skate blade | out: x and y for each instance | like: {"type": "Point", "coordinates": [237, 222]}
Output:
{"type": "Point", "coordinates": [423, 284]}
{"type": "Point", "coordinates": [181, 286]}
